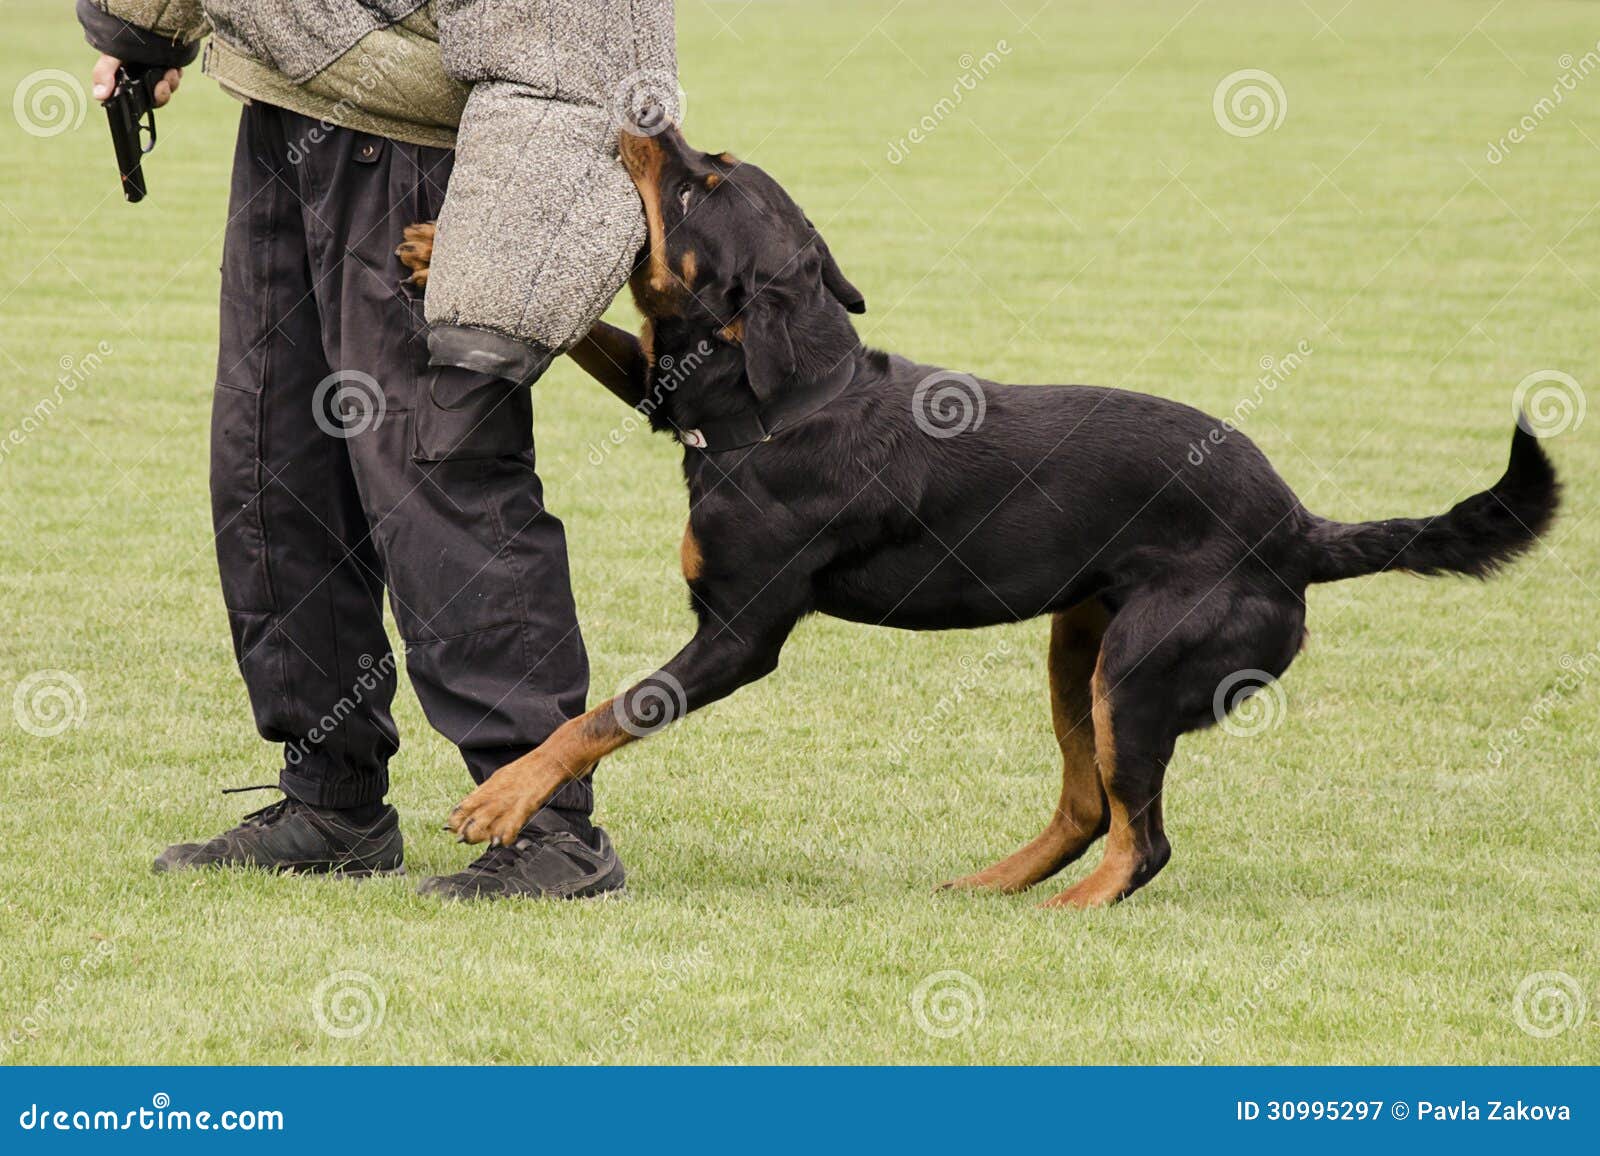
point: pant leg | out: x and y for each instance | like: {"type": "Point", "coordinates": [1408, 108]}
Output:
{"type": "Point", "coordinates": [476, 565]}
{"type": "Point", "coordinates": [299, 575]}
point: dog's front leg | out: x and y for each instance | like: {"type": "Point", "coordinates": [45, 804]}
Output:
{"type": "Point", "coordinates": [615, 358]}
{"type": "Point", "coordinates": [714, 664]}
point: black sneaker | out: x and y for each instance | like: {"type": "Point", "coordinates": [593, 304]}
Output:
{"type": "Point", "coordinates": [294, 836]}
{"type": "Point", "coordinates": [541, 864]}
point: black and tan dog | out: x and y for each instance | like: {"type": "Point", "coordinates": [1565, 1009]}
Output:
{"type": "Point", "coordinates": [827, 477]}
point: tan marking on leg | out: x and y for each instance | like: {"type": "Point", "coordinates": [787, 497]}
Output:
{"type": "Point", "coordinates": [1080, 814]}
{"type": "Point", "coordinates": [502, 806]}
{"type": "Point", "coordinates": [1113, 878]}
{"type": "Point", "coordinates": [733, 331]}
{"type": "Point", "coordinates": [690, 265]}
{"type": "Point", "coordinates": [647, 341]}
{"type": "Point", "coordinates": [689, 556]}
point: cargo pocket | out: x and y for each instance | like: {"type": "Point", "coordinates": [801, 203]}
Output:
{"type": "Point", "coordinates": [463, 416]}
{"type": "Point", "coordinates": [236, 481]}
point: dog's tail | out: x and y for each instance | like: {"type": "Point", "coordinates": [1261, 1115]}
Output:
{"type": "Point", "coordinates": [1476, 536]}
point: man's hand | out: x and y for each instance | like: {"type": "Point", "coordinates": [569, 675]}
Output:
{"type": "Point", "coordinates": [104, 78]}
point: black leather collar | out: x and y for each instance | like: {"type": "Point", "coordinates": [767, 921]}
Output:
{"type": "Point", "coordinates": [762, 423]}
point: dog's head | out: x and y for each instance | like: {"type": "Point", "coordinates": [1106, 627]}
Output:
{"type": "Point", "coordinates": [730, 253]}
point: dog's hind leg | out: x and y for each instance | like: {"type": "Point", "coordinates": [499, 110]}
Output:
{"type": "Point", "coordinates": [1133, 744]}
{"type": "Point", "coordinates": [1162, 662]}
{"type": "Point", "coordinates": [1080, 817]}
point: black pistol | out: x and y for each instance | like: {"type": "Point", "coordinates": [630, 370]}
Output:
{"type": "Point", "coordinates": [131, 109]}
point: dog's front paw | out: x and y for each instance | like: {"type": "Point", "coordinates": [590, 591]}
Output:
{"type": "Point", "coordinates": [497, 811]}
{"type": "Point", "coordinates": [416, 252]}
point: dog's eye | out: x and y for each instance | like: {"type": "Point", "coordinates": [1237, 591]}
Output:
{"type": "Point", "coordinates": [685, 191]}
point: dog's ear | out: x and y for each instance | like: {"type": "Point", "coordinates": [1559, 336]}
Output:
{"type": "Point", "coordinates": [769, 359]}
{"type": "Point", "coordinates": [834, 279]}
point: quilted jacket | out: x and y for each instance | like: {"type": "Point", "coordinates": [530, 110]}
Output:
{"type": "Point", "coordinates": [541, 224]}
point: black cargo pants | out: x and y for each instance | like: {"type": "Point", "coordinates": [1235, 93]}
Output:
{"type": "Point", "coordinates": [342, 465]}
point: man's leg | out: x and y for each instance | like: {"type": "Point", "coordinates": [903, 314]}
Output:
{"type": "Point", "coordinates": [476, 566]}
{"type": "Point", "coordinates": [299, 575]}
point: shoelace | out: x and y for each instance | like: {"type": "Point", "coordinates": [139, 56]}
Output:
{"type": "Point", "coordinates": [271, 813]}
{"type": "Point", "coordinates": [497, 859]}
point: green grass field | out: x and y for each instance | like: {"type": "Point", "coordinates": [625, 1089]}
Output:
{"type": "Point", "coordinates": [1369, 879]}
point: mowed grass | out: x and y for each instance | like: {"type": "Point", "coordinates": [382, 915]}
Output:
{"type": "Point", "coordinates": [1363, 881]}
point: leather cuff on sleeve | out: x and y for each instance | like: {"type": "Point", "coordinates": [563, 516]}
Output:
{"type": "Point", "coordinates": [105, 33]}
{"type": "Point", "coordinates": [485, 351]}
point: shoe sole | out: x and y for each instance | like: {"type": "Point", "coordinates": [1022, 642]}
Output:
{"type": "Point", "coordinates": [330, 869]}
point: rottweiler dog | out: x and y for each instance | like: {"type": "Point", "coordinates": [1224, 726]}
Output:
{"type": "Point", "coordinates": [826, 477]}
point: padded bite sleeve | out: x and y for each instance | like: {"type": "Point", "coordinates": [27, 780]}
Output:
{"type": "Point", "coordinates": [541, 223]}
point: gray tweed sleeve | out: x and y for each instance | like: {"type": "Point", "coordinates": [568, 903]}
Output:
{"type": "Point", "coordinates": [541, 224]}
